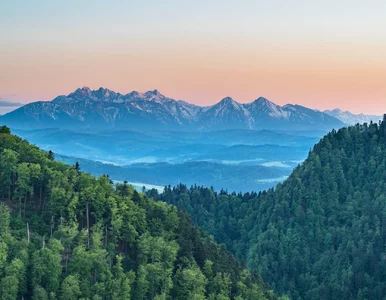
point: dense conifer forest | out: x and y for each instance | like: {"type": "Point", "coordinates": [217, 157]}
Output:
{"type": "Point", "coordinates": [319, 235]}
{"type": "Point", "coordinates": [65, 234]}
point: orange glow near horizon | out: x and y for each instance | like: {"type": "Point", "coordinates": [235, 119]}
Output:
{"type": "Point", "coordinates": [302, 58]}
{"type": "Point", "coordinates": [317, 78]}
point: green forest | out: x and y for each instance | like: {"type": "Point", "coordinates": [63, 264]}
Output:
{"type": "Point", "coordinates": [65, 234]}
{"type": "Point", "coordinates": [319, 235]}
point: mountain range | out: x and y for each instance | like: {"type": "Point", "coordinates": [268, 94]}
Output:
{"type": "Point", "coordinates": [106, 109]}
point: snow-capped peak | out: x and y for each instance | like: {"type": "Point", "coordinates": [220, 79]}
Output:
{"type": "Point", "coordinates": [154, 96]}
{"type": "Point", "coordinates": [134, 94]}
{"type": "Point", "coordinates": [83, 91]}
{"type": "Point", "coordinates": [154, 92]}
{"type": "Point", "coordinates": [105, 92]}
{"type": "Point", "coordinates": [263, 106]}
{"type": "Point", "coordinates": [262, 100]}
{"type": "Point", "coordinates": [229, 101]}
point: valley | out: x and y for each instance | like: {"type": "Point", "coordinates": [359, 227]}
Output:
{"type": "Point", "coordinates": [233, 160]}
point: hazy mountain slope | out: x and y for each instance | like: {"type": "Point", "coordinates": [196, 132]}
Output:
{"type": "Point", "coordinates": [124, 146]}
{"type": "Point", "coordinates": [229, 177]}
{"type": "Point", "coordinates": [352, 119]}
{"type": "Point", "coordinates": [320, 234]}
{"type": "Point", "coordinates": [67, 235]}
{"type": "Point", "coordinates": [227, 114]}
{"type": "Point", "coordinates": [162, 158]}
{"type": "Point", "coordinates": [106, 109]}
{"type": "Point", "coordinates": [8, 106]}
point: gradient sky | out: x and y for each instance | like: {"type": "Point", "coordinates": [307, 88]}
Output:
{"type": "Point", "coordinates": [321, 54]}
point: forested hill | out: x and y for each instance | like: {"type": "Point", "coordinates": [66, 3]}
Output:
{"type": "Point", "coordinates": [67, 235]}
{"type": "Point", "coordinates": [319, 235]}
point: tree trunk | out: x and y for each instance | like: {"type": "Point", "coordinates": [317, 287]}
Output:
{"type": "Point", "coordinates": [28, 232]}
{"type": "Point", "coordinates": [106, 237]}
{"type": "Point", "coordinates": [66, 264]}
{"type": "Point", "coordinates": [88, 226]}
{"type": "Point", "coordinates": [52, 225]}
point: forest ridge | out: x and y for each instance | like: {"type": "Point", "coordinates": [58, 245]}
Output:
{"type": "Point", "coordinates": [321, 233]}
{"type": "Point", "coordinates": [65, 234]}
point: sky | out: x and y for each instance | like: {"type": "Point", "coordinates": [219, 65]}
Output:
{"type": "Point", "coordinates": [320, 54]}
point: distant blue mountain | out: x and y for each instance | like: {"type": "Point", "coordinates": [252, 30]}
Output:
{"type": "Point", "coordinates": [233, 159]}
{"type": "Point", "coordinates": [7, 106]}
{"type": "Point", "coordinates": [352, 119]}
{"type": "Point", "coordinates": [106, 109]}
{"type": "Point", "coordinates": [123, 146]}
{"type": "Point", "coordinates": [243, 178]}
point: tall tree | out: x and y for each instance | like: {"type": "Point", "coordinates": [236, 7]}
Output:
{"type": "Point", "coordinates": [8, 160]}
